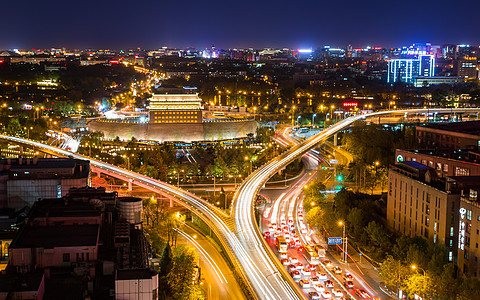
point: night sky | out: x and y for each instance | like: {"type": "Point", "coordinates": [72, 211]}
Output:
{"type": "Point", "coordinates": [229, 24]}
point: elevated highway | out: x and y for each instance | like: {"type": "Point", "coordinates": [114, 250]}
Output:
{"type": "Point", "coordinates": [243, 210]}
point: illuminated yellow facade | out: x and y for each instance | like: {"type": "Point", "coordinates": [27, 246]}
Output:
{"type": "Point", "coordinates": [175, 109]}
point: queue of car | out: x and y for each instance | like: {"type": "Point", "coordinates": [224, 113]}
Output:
{"type": "Point", "coordinates": [309, 276]}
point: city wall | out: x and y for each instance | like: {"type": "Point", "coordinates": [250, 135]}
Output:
{"type": "Point", "coordinates": [212, 130]}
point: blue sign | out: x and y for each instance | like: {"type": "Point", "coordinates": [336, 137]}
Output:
{"type": "Point", "coordinates": [335, 241]}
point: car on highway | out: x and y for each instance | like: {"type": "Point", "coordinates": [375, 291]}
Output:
{"type": "Point", "coordinates": [300, 249]}
{"type": "Point", "coordinates": [297, 242]}
{"type": "Point", "coordinates": [304, 231]}
{"type": "Point", "coordinates": [285, 262]}
{"type": "Point", "coordinates": [313, 296]}
{"type": "Point", "coordinates": [291, 268]}
{"type": "Point", "coordinates": [299, 266]}
{"type": "Point", "coordinates": [295, 274]}
{"type": "Point", "coordinates": [337, 293]}
{"type": "Point", "coordinates": [337, 270]}
{"type": "Point", "coordinates": [267, 234]}
{"type": "Point", "coordinates": [326, 295]}
{"type": "Point", "coordinates": [304, 283]}
{"type": "Point", "coordinates": [328, 283]}
{"type": "Point", "coordinates": [290, 221]}
{"type": "Point", "coordinates": [322, 275]}
{"type": "Point", "coordinates": [311, 267]}
{"type": "Point", "coordinates": [328, 264]}
{"type": "Point", "coordinates": [362, 294]}
{"type": "Point", "coordinates": [273, 225]}
{"type": "Point", "coordinates": [314, 280]}
{"type": "Point", "coordinates": [291, 244]}
{"type": "Point", "coordinates": [318, 287]}
{"type": "Point", "coordinates": [283, 255]}
{"type": "Point", "coordinates": [277, 232]}
{"type": "Point", "coordinates": [348, 284]}
{"type": "Point", "coordinates": [293, 260]}
{"type": "Point", "coordinates": [348, 277]}
{"type": "Point", "coordinates": [306, 272]}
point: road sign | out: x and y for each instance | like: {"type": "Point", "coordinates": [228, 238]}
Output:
{"type": "Point", "coordinates": [335, 241]}
{"type": "Point", "coordinates": [333, 161]}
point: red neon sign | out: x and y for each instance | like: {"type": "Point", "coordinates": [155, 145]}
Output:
{"type": "Point", "coordinates": [350, 104]}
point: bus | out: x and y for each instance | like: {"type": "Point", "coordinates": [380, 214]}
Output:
{"type": "Point", "coordinates": [311, 255]}
{"type": "Point", "coordinates": [282, 245]}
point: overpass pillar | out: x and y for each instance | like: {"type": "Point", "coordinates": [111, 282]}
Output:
{"type": "Point", "coordinates": [21, 150]}
{"type": "Point", "coordinates": [335, 139]}
{"type": "Point", "coordinates": [379, 120]}
{"type": "Point", "coordinates": [129, 186]}
{"type": "Point", "coordinates": [171, 203]}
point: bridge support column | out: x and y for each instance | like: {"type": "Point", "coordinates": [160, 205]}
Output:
{"type": "Point", "coordinates": [379, 120]}
{"type": "Point", "coordinates": [171, 203]}
{"type": "Point", "coordinates": [335, 139]}
{"type": "Point", "coordinates": [21, 150]}
{"type": "Point", "coordinates": [130, 186]}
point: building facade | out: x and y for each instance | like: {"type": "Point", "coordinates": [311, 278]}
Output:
{"type": "Point", "coordinates": [456, 135]}
{"type": "Point", "coordinates": [175, 109]}
{"type": "Point", "coordinates": [466, 67]}
{"type": "Point", "coordinates": [405, 69]}
{"type": "Point", "coordinates": [422, 81]}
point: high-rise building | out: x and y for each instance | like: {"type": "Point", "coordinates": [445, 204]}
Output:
{"type": "Point", "coordinates": [178, 108]}
{"type": "Point", "coordinates": [405, 69]}
{"type": "Point", "coordinates": [466, 67]}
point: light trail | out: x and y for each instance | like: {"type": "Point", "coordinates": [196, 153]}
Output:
{"type": "Point", "coordinates": [243, 203]}
{"type": "Point", "coordinates": [205, 254]}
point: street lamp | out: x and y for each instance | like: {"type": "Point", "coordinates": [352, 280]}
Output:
{"type": "Point", "coordinates": [313, 119]}
{"type": "Point", "coordinates": [345, 241]}
{"type": "Point", "coordinates": [298, 120]}
{"type": "Point", "coordinates": [414, 267]}
{"type": "Point", "coordinates": [250, 162]}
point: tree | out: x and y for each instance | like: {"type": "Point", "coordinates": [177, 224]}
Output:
{"type": "Point", "coordinates": [166, 262]}
{"type": "Point", "coordinates": [379, 240]}
{"type": "Point", "coordinates": [357, 221]}
{"type": "Point", "coordinates": [393, 272]}
{"type": "Point", "coordinates": [13, 126]}
{"type": "Point", "coordinates": [181, 277]}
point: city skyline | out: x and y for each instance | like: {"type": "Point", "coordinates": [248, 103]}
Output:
{"type": "Point", "coordinates": [252, 24]}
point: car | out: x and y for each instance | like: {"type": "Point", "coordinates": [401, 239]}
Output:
{"type": "Point", "coordinates": [273, 225]}
{"type": "Point", "coordinates": [322, 276]}
{"type": "Point", "coordinates": [300, 249]}
{"type": "Point", "coordinates": [314, 280]}
{"type": "Point", "coordinates": [311, 267]}
{"type": "Point", "coordinates": [337, 293]}
{"type": "Point", "coordinates": [290, 221]}
{"type": "Point", "coordinates": [306, 272]}
{"type": "Point", "coordinates": [337, 270]}
{"type": "Point", "coordinates": [293, 260]}
{"type": "Point", "coordinates": [318, 287]}
{"type": "Point", "coordinates": [300, 218]}
{"type": "Point", "coordinates": [328, 264]}
{"type": "Point", "coordinates": [297, 242]}
{"type": "Point", "coordinates": [292, 227]}
{"type": "Point", "coordinates": [267, 234]}
{"type": "Point", "coordinates": [362, 294]}
{"type": "Point", "coordinates": [299, 266]}
{"type": "Point", "coordinates": [304, 231]}
{"type": "Point", "coordinates": [348, 284]}
{"type": "Point", "coordinates": [285, 262]}
{"type": "Point", "coordinates": [277, 232]}
{"type": "Point", "coordinates": [304, 283]}
{"type": "Point", "coordinates": [326, 295]}
{"type": "Point", "coordinates": [283, 255]}
{"type": "Point", "coordinates": [291, 244]}
{"type": "Point", "coordinates": [285, 228]}
{"type": "Point", "coordinates": [347, 277]}
{"type": "Point", "coordinates": [328, 283]}
{"type": "Point", "coordinates": [291, 268]}
{"type": "Point", "coordinates": [295, 274]}
{"type": "Point", "coordinates": [313, 296]}
{"type": "Point", "coordinates": [287, 239]}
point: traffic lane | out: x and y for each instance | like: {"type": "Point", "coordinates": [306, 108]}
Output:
{"type": "Point", "coordinates": [220, 283]}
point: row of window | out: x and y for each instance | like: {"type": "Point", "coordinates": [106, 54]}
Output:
{"type": "Point", "coordinates": [176, 117]}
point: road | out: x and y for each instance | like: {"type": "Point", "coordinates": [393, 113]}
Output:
{"type": "Point", "coordinates": [217, 279]}
{"type": "Point", "coordinates": [247, 248]}
{"type": "Point", "coordinates": [244, 215]}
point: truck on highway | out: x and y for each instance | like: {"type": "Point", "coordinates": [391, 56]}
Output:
{"type": "Point", "coordinates": [322, 252]}
{"type": "Point", "coordinates": [282, 245]}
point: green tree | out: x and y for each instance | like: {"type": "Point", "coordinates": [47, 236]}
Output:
{"type": "Point", "coordinates": [181, 277]}
{"type": "Point", "coordinates": [166, 262]}
{"type": "Point", "coordinates": [393, 273]}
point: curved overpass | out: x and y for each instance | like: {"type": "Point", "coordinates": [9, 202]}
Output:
{"type": "Point", "coordinates": [243, 204]}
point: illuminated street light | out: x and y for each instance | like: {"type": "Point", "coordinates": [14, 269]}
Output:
{"type": "Point", "coordinates": [345, 241]}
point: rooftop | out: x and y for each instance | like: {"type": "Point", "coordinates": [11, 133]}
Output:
{"type": "Point", "coordinates": [130, 274]}
{"type": "Point", "coordinates": [56, 236]}
{"type": "Point", "coordinates": [470, 127]}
